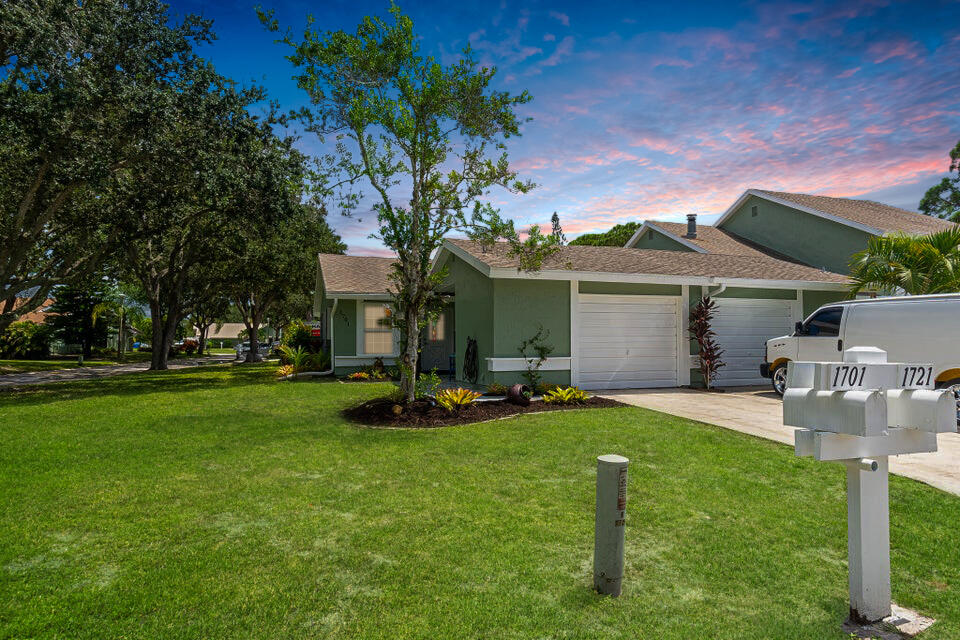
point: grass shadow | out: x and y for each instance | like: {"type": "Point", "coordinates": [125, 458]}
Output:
{"type": "Point", "coordinates": [140, 382]}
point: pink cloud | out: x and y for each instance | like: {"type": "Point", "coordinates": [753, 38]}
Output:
{"type": "Point", "coordinates": [883, 51]}
{"type": "Point", "coordinates": [848, 72]}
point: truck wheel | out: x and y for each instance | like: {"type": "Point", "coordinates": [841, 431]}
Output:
{"type": "Point", "coordinates": [954, 385]}
{"type": "Point", "coordinates": [779, 379]}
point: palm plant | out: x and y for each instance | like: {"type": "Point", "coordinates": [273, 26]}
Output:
{"type": "Point", "coordinates": [913, 265]}
{"type": "Point", "coordinates": [125, 310]}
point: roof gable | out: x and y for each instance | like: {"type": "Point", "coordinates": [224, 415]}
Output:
{"type": "Point", "coordinates": [661, 228]}
{"type": "Point", "coordinates": [871, 217]}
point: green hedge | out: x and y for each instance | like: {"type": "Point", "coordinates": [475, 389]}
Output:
{"type": "Point", "coordinates": [25, 340]}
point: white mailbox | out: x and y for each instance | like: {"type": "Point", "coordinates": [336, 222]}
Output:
{"type": "Point", "coordinates": [859, 412]}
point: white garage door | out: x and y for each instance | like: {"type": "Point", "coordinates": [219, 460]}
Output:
{"type": "Point", "coordinates": [743, 326]}
{"type": "Point", "coordinates": [627, 341]}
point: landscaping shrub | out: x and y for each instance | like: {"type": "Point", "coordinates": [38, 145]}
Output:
{"type": "Point", "coordinates": [455, 399]}
{"type": "Point", "coordinates": [569, 395]}
{"type": "Point", "coordinates": [297, 335]}
{"type": "Point", "coordinates": [544, 388]}
{"type": "Point", "coordinates": [427, 384]}
{"type": "Point", "coordinates": [25, 339]}
{"type": "Point", "coordinates": [497, 389]}
{"type": "Point", "coordinates": [298, 360]}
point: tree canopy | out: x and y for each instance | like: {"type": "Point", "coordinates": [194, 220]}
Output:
{"type": "Point", "coordinates": [122, 149]}
{"type": "Point", "coordinates": [943, 199]}
{"type": "Point", "coordinates": [79, 86]}
{"type": "Point", "coordinates": [615, 237]}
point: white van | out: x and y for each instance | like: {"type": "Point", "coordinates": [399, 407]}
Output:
{"type": "Point", "coordinates": [909, 328]}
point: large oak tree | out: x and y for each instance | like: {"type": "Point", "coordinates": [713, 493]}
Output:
{"type": "Point", "coordinates": [79, 80]}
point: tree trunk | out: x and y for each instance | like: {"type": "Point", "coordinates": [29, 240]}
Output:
{"type": "Point", "coordinates": [158, 357]}
{"type": "Point", "coordinates": [408, 369]}
{"type": "Point", "coordinates": [203, 338]}
{"type": "Point", "coordinates": [121, 342]}
{"type": "Point", "coordinates": [253, 328]}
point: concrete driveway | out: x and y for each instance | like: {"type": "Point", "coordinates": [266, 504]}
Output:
{"type": "Point", "coordinates": [759, 412]}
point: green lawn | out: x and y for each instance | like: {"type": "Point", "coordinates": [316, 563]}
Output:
{"type": "Point", "coordinates": [218, 503]}
{"type": "Point", "coordinates": [22, 366]}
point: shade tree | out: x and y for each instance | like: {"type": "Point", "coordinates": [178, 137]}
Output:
{"type": "Point", "coordinates": [78, 82]}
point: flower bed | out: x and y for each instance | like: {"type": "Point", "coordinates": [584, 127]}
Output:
{"type": "Point", "coordinates": [386, 412]}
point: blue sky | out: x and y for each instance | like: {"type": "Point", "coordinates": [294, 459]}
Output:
{"type": "Point", "coordinates": [655, 111]}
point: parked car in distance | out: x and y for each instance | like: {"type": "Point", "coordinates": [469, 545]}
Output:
{"type": "Point", "coordinates": [913, 329]}
{"type": "Point", "coordinates": [264, 348]}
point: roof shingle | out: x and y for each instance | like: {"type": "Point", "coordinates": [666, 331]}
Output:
{"type": "Point", "coordinates": [355, 274]}
{"type": "Point", "coordinates": [712, 239]}
{"type": "Point", "coordinates": [658, 262]}
{"type": "Point", "coordinates": [866, 212]}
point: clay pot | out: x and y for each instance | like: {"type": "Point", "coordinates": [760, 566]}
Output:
{"type": "Point", "coordinates": [519, 394]}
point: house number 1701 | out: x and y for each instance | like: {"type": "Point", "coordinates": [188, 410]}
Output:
{"type": "Point", "coordinates": [845, 375]}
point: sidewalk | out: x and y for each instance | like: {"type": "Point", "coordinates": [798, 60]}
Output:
{"type": "Point", "coordinates": [17, 380]}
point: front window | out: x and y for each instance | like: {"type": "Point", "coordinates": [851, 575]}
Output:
{"type": "Point", "coordinates": [825, 324]}
{"type": "Point", "coordinates": [377, 332]}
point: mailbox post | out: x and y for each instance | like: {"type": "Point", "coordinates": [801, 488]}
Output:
{"type": "Point", "coordinates": [860, 412]}
{"type": "Point", "coordinates": [609, 526]}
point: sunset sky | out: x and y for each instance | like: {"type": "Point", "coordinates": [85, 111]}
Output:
{"type": "Point", "coordinates": [656, 111]}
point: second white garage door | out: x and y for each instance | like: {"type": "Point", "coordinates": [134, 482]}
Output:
{"type": "Point", "coordinates": [627, 341]}
{"type": "Point", "coordinates": [743, 326]}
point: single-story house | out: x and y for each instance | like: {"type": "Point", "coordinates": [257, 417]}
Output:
{"type": "Point", "coordinates": [617, 317]}
{"type": "Point", "coordinates": [225, 331]}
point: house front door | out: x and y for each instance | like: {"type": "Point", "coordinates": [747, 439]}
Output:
{"type": "Point", "coordinates": [438, 343]}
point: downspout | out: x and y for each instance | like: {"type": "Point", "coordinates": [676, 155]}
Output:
{"type": "Point", "coordinates": [720, 289]}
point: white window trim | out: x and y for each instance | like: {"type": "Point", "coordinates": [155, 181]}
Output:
{"type": "Point", "coordinates": [361, 334]}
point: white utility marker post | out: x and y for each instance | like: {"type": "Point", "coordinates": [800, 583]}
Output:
{"type": "Point", "coordinates": [859, 412]}
{"type": "Point", "coordinates": [610, 520]}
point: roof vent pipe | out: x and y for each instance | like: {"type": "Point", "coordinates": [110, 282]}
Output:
{"type": "Point", "coordinates": [691, 225]}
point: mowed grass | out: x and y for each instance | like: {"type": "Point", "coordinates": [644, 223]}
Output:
{"type": "Point", "coordinates": [23, 366]}
{"type": "Point", "coordinates": [219, 503]}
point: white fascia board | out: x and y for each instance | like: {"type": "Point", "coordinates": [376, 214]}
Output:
{"type": "Point", "coordinates": [653, 278]}
{"type": "Point", "coordinates": [367, 359]}
{"type": "Point", "coordinates": [520, 364]}
{"type": "Point", "coordinates": [440, 258]}
{"type": "Point", "coordinates": [799, 207]}
{"type": "Point", "coordinates": [360, 296]}
{"type": "Point", "coordinates": [672, 236]}
{"type": "Point", "coordinates": [467, 257]}
{"type": "Point", "coordinates": [632, 242]}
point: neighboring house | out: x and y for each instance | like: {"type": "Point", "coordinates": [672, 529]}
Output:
{"type": "Point", "coordinates": [38, 315]}
{"type": "Point", "coordinates": [226, 331]}
{"type": "Point", "coordinates": [617, 316]}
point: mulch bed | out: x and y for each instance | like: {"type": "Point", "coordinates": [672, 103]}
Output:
{"type": "Point", "coordinates": [424, 415]}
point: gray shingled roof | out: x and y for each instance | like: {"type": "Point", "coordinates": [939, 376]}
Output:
{"type": "Point", "coordinates": [712, 239]}
{"type": "Point", "coordinates": [355, 274]}
{"type": "Point", "coordinates": [658, 262]}
{"type": "Point", "coordinates": [867, 212]}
